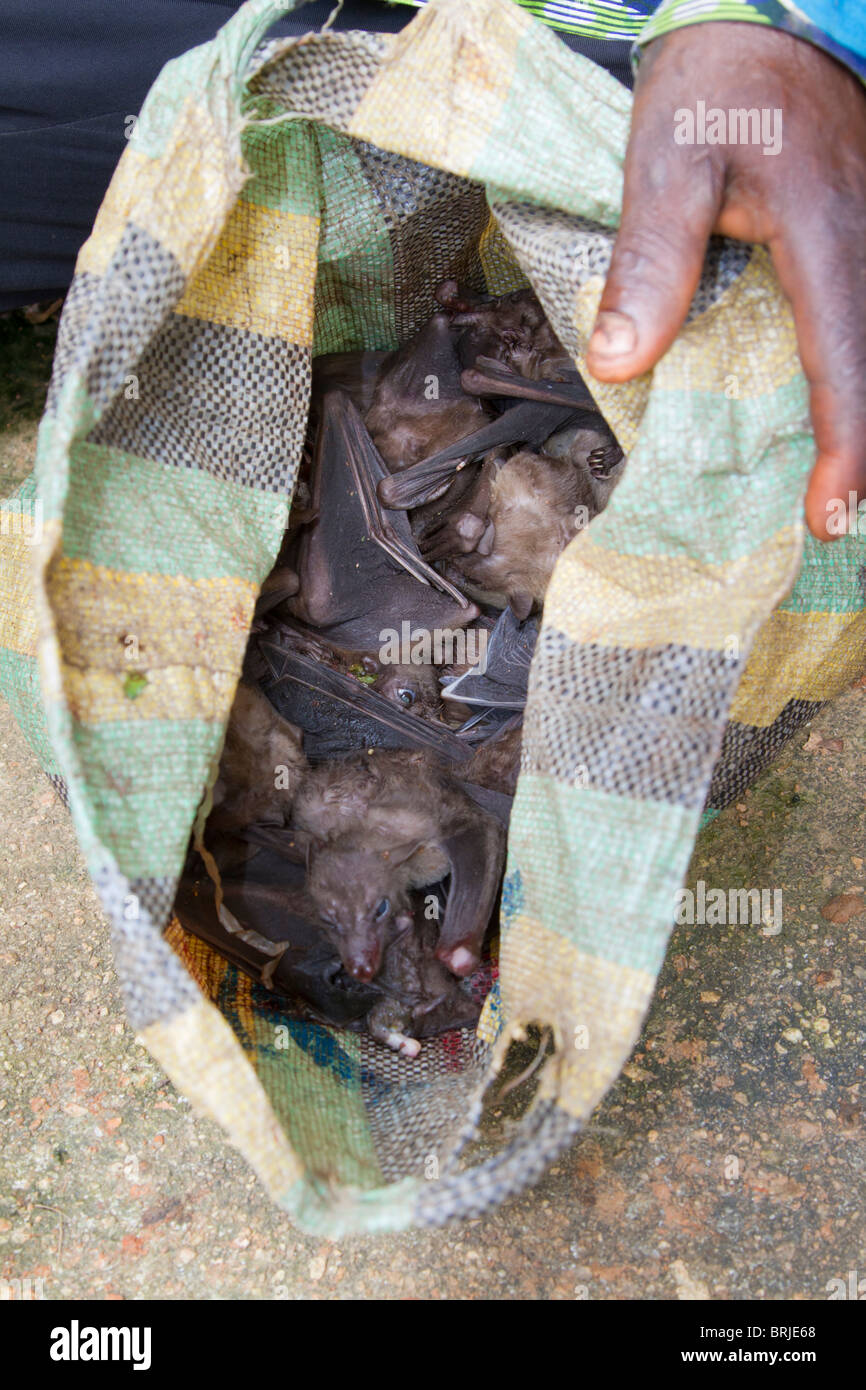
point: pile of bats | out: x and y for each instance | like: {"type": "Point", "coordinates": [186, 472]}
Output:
{"type": "Point", "coordinates": [354, 853]}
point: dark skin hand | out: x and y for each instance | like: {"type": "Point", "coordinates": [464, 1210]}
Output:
{"type": "Point", "coordinates": [807, 204]}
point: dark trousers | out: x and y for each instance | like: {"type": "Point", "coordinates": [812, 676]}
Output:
{"type": "Point", "coordinates": [70, 74]}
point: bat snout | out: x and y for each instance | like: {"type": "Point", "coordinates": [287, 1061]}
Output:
{"type": "Point", "coordinates": [363, 959]}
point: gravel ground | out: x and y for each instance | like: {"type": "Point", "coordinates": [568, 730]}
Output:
{"type": "Point", "coordinates": [726, 1163]}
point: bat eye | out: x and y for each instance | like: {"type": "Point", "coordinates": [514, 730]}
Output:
{"type": "Point", "coordinates": [382, 909]}
{"type": "Point", "coordinates": [405, 695]}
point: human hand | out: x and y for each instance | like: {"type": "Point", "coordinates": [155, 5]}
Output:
{"type": "Point", "coordinates": [806, 203]}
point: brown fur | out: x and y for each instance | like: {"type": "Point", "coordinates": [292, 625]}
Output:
{"type": "Point", "coordinates": [376, 826]}
{"type": "Point", "coordinates": [258, 741]}
{"type": "Point", "coordinates": [533, 509]}
{"type": "Point", "coordinates": [410, 418]}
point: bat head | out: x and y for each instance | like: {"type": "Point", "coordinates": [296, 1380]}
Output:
{"type": "Point", "coordinates": [512, 329]}
{"type": "Point", "coordinates": [361, 898]}
{"type": "Point", "coordinates": [414, 688]}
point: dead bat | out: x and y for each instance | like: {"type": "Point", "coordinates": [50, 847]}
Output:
{"type": "Point", "coordinates": [527, 424]}
{"type": "Point", "coordinates": [386, 822]}
{"type": "Point", "coordinates": [282, 583]}
{"type": "Point", "coordinates": [586, 438]}
{"type": "Point", "coordinates": [415, 687]}
{"type": "Point", "coordinates": [419, 406]}
{"type": "Point", "coordinates": [338, 713]}
{"type": "Point", "coordinates": [270, 931]}
{"type": "Point", "coordinates": [419, 996]}
{"type": "Point", "coordinates": [360, 573]}
{"type": "Point", "coordinates": [275, 937]}
{"type": "Point", "coordinates": [261, 767]}
{"type": "Point", "coordinates": [507, 539]}
{"type": "Point", "coordinates": [591, 447]}
{"type": "Point", "coordinates": [496, 762]}
{"type": "Point", "coordinates": [513, 329]}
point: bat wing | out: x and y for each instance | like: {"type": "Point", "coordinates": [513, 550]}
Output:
{"type": "Point", "coordinates": [502, 680]}
{"type": "Point", "coordinates": [274, 937]}
{"type": "Point", "coordinates": [495, 803]}
{"type": "Point", "coordinates": [476, 852]}
{"type": "Point", "coordinates": [339, 714]}
{"type": "Point", "coordinates": [360, 573]}
{"type": "Point", "coordinates": [489, 378]}
{"type": "Point", "coordinates": [529, 424]}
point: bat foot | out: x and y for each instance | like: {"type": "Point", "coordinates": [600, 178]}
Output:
{"type": "Point", "coordinates": [602, 461]}
{"type": "Point", "coordinates": [399, 1042]}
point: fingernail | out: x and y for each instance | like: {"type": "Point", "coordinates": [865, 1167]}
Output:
{"type": "Point", "coordinates": [614, 335]}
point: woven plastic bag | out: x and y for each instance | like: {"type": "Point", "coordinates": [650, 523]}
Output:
{"type": "Point", "coordinates": [283, 199]}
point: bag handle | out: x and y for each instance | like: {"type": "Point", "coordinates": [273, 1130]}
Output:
{"type": "Point", "coordinates": [240, 36]}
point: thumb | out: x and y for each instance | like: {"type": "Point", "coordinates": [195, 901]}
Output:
{"type": "Point", "coordinates": [671, 200]}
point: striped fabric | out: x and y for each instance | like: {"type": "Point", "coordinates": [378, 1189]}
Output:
{"type": "Point", "coordinates": [838, 28]}
{"type": "Point", "coordinates": [308, 196]}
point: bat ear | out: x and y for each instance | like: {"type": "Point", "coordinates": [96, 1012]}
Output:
{"type": "Point", "coordinates": [447, 293]}
{"type": "Point", "coordinates": [305, 843]}
{"type": "Point", "coordinates": [521, 606]}
{"type": "Point", "coordinates": [400, 853]}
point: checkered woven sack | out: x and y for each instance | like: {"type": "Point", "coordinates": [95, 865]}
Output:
{"type": "Point", "coordinates": [282, 199]}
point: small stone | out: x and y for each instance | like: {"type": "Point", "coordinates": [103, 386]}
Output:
{"type": "Point", "coordinates": [793, 1035]}
{"type": "Point", "coordinates": [58, 1016]}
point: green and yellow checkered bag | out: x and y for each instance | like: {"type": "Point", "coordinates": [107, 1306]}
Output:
{"type": "Point", "coordinates": [282, 199]}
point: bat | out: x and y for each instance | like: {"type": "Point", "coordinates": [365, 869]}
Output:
{"type": "Point", "coordinates": [419, 996]}
{"type": "Point", "coordinates": [591, 448]}
{"type": "Point", "coordinates": [413, 686]}
{"type": "Point", "coordinates": [528, 424]}
{"type": "Point", "coordinates": [275, 937]}
{"type": "Point", "coordinates": [258, 742]}
{"type": "Point", "coordinates": [359, 573]}
{"type": "Point", "coordinates": [269, 930]}
{"type": "Point", "coordinates": [382, 824]}
{"type": "Point", "coordinates": [495, 763]}
{"type": "Point", "coordinates": [419, 405]}
{"type": "Point", "coordinates": [337, 713]}
{"type": "Point", "coordinates": [507, 538]}
{"type": "Point", "coordinates": [513, 329]}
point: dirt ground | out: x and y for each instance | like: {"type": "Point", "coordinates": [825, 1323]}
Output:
{"type": "Point", "coordinates": [727, 1162]}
